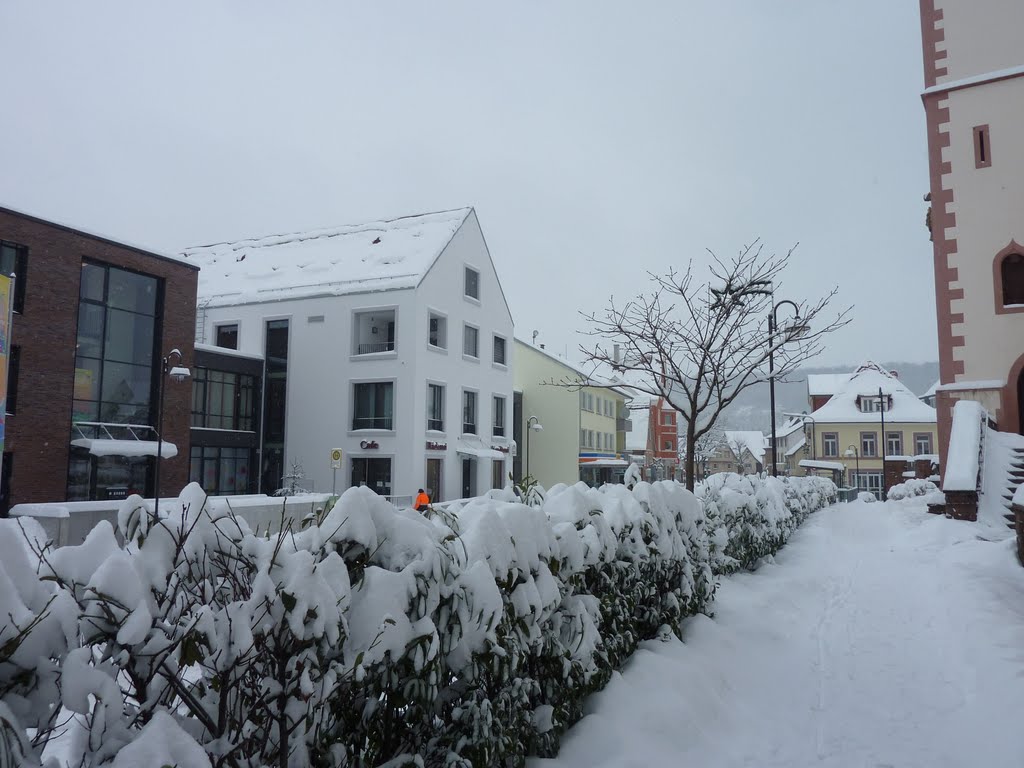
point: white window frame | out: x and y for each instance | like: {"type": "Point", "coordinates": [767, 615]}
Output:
{"type": "Point", "coordinates": [495, 338]}
{"type": "Point", "coordinates": [354, 320]}
{"type": "Point", "coordinates": [476, 411]}
{"type": "Point", "coordinates": [352, 405]}
{"type": "Point", "coordinates": [495, 400]}
{"type": "Point", "coordinates": [444, 395]}
{"type": "Point", "coordinates": [433, 314]}
{"type": "Point", "coordinates": [465, 283]}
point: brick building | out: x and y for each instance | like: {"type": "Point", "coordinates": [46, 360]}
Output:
{"type": "Point", "coordinates": [663, 441]}
{"type": "Point", "coordinates": [974, 107]}
{"type": "Point", "coordinates": [92, 320]}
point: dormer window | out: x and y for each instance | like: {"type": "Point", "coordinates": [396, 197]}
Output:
{"type": "Point", "coordinates": [870, 403]}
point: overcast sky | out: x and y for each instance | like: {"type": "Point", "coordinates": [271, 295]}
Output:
{"type": "Point", "coordinates": [596, 140]}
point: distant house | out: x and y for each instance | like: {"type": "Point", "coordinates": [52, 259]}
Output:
{"type": "Point", "coordinates": [583, 428]}
{"type": "Point", "coordinates": [846, 432]}
{"type": "Point", "coordinates": [742, 452]}
{"type": "Point", "coordinates": [821, 387]}
{"type": "Point", "coordinates": [791, 442]}
{"type": "Point", "coordinates": [390, 341]}
{"type": "Point", "coordinates": [929, 396]}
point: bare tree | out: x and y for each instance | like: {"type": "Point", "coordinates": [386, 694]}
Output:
{"type": "Point", "coordinates": [698, 346]}
{"type": "Point", "coordinates": [705, 447]}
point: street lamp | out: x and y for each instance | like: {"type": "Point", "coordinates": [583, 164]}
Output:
{"type": "Point", "coordinates": [793, 332]}
{"type": "Point", "coordinates": [532, 425]}
{"type": "Point", "coordinates": [179, 374]}
{"type": "Point", "coordinates": [853, 451]}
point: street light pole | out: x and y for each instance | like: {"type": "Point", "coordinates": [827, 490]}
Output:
{"type": "Point", "coordinates": [772, 326]}
{"type": "Point", "coordinates": [856, 453]}
{"type": "Point", "coordinates": [177, 373]}
{"type": "Point", "coordinates": [881, 410]}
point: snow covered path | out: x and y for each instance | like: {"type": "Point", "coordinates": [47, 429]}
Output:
{"type": "Point", "coordinates": [881, 636]}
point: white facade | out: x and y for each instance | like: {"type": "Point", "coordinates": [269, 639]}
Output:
{"type": "Point", "coordinates": [332, 348]}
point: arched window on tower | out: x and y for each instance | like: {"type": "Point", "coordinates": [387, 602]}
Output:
{"type": "Point", "coordinates": [1012, 269]}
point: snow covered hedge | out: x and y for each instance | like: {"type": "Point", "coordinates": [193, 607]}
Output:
{"type": "Point", "coordinates": [911, 488]}
{"type": "Point", "coordinates": [371, 636]}
{"type": "Point", "coordinates": [753, 516]}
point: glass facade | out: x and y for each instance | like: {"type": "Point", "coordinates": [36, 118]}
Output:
{"type": "Point", "coordinates": [223, 400]}
{"type": "Point", "coordinates": [275, 388]}
{"type": "Point", "coordinates": [115, 376]}
{"type": "Point", "coordinates": [221, 471]}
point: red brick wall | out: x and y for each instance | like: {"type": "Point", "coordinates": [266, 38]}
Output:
{"type": "Point", "coordinates": [39, 434]}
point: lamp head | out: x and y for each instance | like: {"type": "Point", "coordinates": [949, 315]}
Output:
{"type": "Point", "coordinates": [537, 427]}
{"type": "Point", "coordinates": [179, 374]}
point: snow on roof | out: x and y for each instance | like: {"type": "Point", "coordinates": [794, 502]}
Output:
{"type": "Point", "coordinates": [969, 420]}
{"type": "Point", "coordinates": [353, 258]}
{"type": "Point", "coordinates": [788, 428]}
{"type": "Point", "coordinates": [826, 383]}
{"type": "Point", "coordinates": [835, 466]}
{"type": "Point", "coordinates": [906, 407]}
{"type": "Point", "coordinates": [753, 441]}
{"type": "Point", "coordinates": [800, 444]}
{"type": "Point", "coordinates": [931, 390]}
{"type": "Point", "coordinates": [227, 351]}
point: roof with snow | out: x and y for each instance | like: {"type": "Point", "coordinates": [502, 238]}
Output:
{"type": "Point", "coordinates": [789, 427]}
{"type": "Point", "coordinates": [753, 441]}
{"type": "Point", "coordinates": [353, 258]}
{"type": "Point", "coordinates": [843, 407]}
{"type": "Point", "coordinates": [931, 390]}
{"type": "Point", "coordinates": [825, 383]}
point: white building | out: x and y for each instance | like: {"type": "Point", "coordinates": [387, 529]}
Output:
{"type": "Point", "coordinates": [391, 341]}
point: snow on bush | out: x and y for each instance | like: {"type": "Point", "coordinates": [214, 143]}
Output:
{"type": "Point", "coordinates": [752, 517]}
{"type": "Point", "coordinates": [910, 489]}
{"type": "Point", "coordinates": [372, 635]}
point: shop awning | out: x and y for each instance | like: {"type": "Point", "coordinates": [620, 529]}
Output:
{"type": "Point", "coordinates": [478, 450]}
{"type": "Point", "coordinates": [603, 463]}
{"type": "Point", "coordinates": [108, 447]}
{"type": "Point", "coordinates": [835, 466]}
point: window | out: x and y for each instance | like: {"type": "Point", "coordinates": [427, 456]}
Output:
{"type": "Point", "coordinates": [471, 341]}
{"type": "Point", "coordinates": [435, 471]}
{"type": "Point", "coordinates": [666, 418]}
{"type": "Point", "coordinates": [830, 444]}
{"type": "Point", "coordinates": [499, 417]}
{"type": "Point", "coordinates": [668, 445]}
{"type": "Point", "coordinates": [893, 443]}
{"type": "Point", "coordinates": [116, 346]}
{"type": "Point", "coordinates": [438, 331]}
{"type": "Point", "coordinates": [497, 474]}
{"type": "Point", "coordinates": [583, 401]}
{"type": "Point", "coordinates": [469, 412]}
{"type": "Point", "coordinates": [13, 364]}
{"type": "Point", "coordinates": [982, 147]}
{"type": "Point", "coordinates": [869, 403]}
{"type": "Point", "coordinates": [435, 407]}
{"type": "Point", "coordinates": [583, 438]}
{"type": "Point", "coordinates": [499, 350]}
{"type": "Point", "coordinates": [1012, 269]}
{"type": "Point", "coordinates": [275, 398]}
{"type": "Point", "coordinates": [227, 336]}
{"type": "Point", "coordinates": [14, 260]}
{"type": "Point", "coordinates": [922, 444]}
{"type": "Point", "coordinates": [590, 401]}
{"type": "Point", "coordinates": [221, 471]}
{"type": "Point", "coordinates": [597, 405]}
{"type": "Point", "coordinates": [868, 444]}
{"type": "Point", "coordinates": [867, 481]}
{"type": "Point", "coordinates": [472, 283]}
{"type": "Point", "coordinates": [374, 331]}
{"type": "Point", "coordinates": [374, 405]}
{"type": "Point", "coordinates": [590, 438]}
{"type": "Point", "coordinates": [223, 400]}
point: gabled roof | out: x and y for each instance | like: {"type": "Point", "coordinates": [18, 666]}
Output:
{"type": "Point", "coordinates": [755, 442]}
{"type": "Point", "coordinates": [353, 258]}
{"type": "Point", "coordinates": [825, 383]}
{"type": "Point", "coordinates": [931, 390]}
{"type": "Point", "coordinates": [866, 381]}
{"type": "Point", "coordinates": [791, 426]}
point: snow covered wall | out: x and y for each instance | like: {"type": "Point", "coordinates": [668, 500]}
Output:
{"type": "Point", "coordinates": [371, 636]}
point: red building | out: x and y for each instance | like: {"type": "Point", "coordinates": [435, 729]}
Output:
{"type": "Point", "coordinates": [663, 441]}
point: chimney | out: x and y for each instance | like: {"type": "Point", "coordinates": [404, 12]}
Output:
{"type": "Point", "coordinates": [616, 352]}
{"type": "Point", "coordinates": [542, 346]}
{"type": "Point", "coordinates": [894, 374]}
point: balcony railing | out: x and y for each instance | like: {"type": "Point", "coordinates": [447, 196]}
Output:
{"type": "Point", "coordinates": [372, 422]}
{"type": "Point", "coordinates": [377, 346]}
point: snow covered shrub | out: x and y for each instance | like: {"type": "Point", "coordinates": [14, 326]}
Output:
{"type": "Point", "coordinates": [36, 629]}
{"type": "Point", "coordinates": [867, 497]}
{"type": "Point", "coordinates": [753, 517]}
{"type": "Point", "coordinates": [373, 635]}
{"type": "Point", "coordinates": [910, 489]}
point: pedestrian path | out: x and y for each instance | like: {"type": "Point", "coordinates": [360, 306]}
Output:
{"type": "Point", "coordinates": [880, 636]}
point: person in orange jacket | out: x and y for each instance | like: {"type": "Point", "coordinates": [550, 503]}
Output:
{"type": "Point", "coordinates": [422, 501]}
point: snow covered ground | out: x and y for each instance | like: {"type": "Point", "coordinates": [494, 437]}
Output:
{"type": "Point", "coordinates": [881, 636]}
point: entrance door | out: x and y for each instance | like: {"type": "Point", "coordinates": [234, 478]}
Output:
{"type": "Point", "coordinates": [374, 473]}
{"type": "Point", "coordinates": [468, 478]}
{"type": "Point", "coordinates": [435, 470]}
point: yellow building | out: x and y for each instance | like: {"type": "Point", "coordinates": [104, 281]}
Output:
{"type": "Point", "coordinates": [871, 416]}
{"type": "Point", "coordinates": [583, 421]}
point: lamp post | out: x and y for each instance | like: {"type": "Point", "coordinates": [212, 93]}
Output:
{"type": "Point", "coordinates": [773, 323]}
{"type": "Point", "coordinates": [532, 425]}
{"type": "Point", "coordinates": [853, 451]}
{"type": "Point", "coordinates": [881, 411]}
{"type": "Point", "coordinates": [176, 373]}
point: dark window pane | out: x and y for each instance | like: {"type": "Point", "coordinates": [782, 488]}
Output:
{"type": "Point", "coordinates": [87, 379]}
{"type": "Point", "coordinates": [13, 365]}
{"type": "Point", "coordinates": [123, 383]}
{"type": "Point", "coordinates": [129, 337]}
{"type": "Point", "coordinates": [227, 336]}
{"type": "Point", "coordinates": [131, 291]}
{"type": "Point", "coordinates": [90, 330]}
{"type": "Point", "coordinates": [93, 279]}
